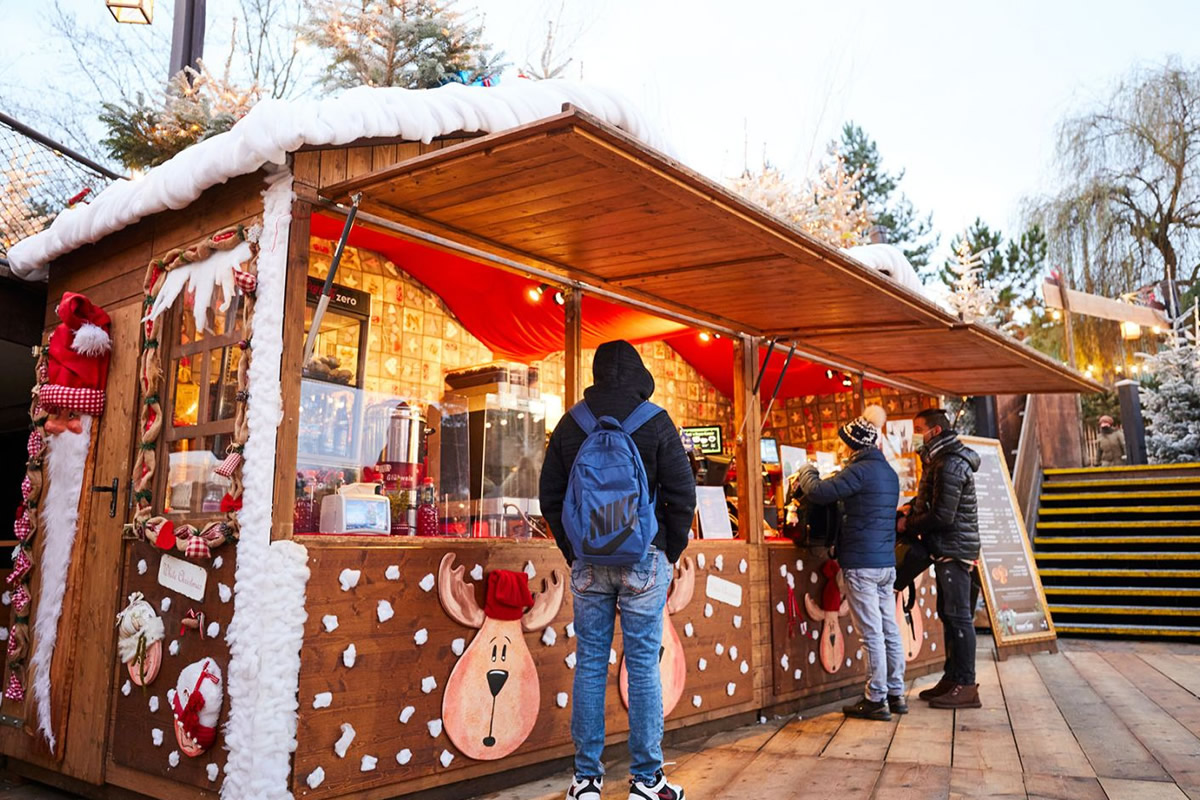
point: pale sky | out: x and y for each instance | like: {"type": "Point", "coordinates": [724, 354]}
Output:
{"type": "Point", "coordinates": [964, 96]}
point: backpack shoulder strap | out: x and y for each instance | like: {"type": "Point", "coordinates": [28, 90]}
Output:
{"type": "Point", "coordinates": [584, 417]}
{"type": "Point", "coordinates": [640, 416]}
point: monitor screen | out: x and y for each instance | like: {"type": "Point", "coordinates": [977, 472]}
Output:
{"type": "Point", "coordinates": [770, 451]}
{"type": "Point", "coordinates": [705, 439]}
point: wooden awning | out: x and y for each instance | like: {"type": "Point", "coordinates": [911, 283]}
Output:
{"type": "Point", "coordinates": [582, 200]}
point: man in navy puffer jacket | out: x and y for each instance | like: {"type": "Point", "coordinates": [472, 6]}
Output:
{"type": "Point", "coordinates": [866, 550]}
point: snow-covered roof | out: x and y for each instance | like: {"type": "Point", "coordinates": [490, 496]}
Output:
{"type": "Point", "coordinates": [274, 128]}
{"type": "Point", "coordinates": [889, 260]}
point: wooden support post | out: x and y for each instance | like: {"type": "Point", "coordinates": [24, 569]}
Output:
{"type": "Point", "coordinates": [746, 453]}
{"type": "Point", "coordinates": [573, 311]}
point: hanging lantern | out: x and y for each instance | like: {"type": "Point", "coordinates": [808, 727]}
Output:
{"type": "Point", "coordinates": [138, 12]}
{"type": "Point", "coordinates": [1131, 330]}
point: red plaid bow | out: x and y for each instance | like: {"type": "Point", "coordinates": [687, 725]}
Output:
{"type": "Point", "coordinates": [200, 545]}
{"type": "Point", "coordinates": [35, 442]}
{"type": "Point", "coordinates": [246, 281]}
{"type": "Point", "coordinates": [21, 525]}
{"type": "Point", "coordinates": [21, 566]}
{"type": "Point", "coordinates": [20, 600]}
{"type": "Point", "coordinates": [229, 504]}
{"type": "Point", "coordinates": [15, 691]}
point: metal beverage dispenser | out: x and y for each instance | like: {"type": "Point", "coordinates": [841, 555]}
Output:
{"type": "Point", "coordinates": [402, 464]}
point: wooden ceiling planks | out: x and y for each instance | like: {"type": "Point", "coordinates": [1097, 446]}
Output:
{"type": "Point", "coordinates": [584, 200]}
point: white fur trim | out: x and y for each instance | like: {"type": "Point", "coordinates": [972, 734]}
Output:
{"type": "Point", "coordinates": [66, 457]}
{"type": "Point", "coordinates": [267, 628]}
{"type": "Point", "coordinates": [91, 340]}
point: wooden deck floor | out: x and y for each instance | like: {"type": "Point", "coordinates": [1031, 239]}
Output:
{"type": "Point", "coordinates": [1099, 721]}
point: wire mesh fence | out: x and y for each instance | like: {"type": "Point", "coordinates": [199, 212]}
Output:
{"type": "Point", "coordinates": [39, 178]}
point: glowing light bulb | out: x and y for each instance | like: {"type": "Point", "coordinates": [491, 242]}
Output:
{"type": "Point", "coordinates": [704, 337]}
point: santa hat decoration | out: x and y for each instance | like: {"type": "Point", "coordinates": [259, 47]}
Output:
{"type": "Point", "coordinates": [79, 350]}
{"type": "Point", "coordinates": [508, 595]}
{"type": "Point", "coordinates": [199, 693]}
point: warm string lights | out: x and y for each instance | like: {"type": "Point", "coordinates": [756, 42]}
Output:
{"type": "Point", "coordinates": [535, 294]}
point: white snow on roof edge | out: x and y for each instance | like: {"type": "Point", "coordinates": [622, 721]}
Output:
{"type": "Point", "coordinates": [274, 128]}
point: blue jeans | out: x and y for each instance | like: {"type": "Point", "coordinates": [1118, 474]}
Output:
{"type": "Point", "coordinates": [873, 603]}
{"type": "Point", "coordinates": [640, 592]}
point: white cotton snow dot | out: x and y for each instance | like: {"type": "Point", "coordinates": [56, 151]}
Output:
{"type": "Point", "coordinates": [720, 649]}
{"type": "Point", "coordinates": [849, 629]}
{"type": "Point", "coordinates": [700, 560]}
{"type": "Point", "coordinates": [315, 778]}
{"type": "Point", "coordinates": [549, 637]}
{"type": "Point", "coordinates": [730, 688]}
{"type": "Point", "coordinates": [428, 684]}
{"type": "Point", "coordinates": [783, 570]}
{"type": "Point", "coordinates": [348, 578]}
{"type": "Point", "coordinates": [3, 634]}
{"type": "Point", "coordinates": [421, 637]}
{"type": "Point", "coordinates": [126, 688]}
{"type": "Point", "coordinates": [343, 743]}
{"type": "Point", "coordinates": [435, 728]}
{"type": "Point", "coordinates": [350, 655]}
{"type": "Point", "coordinates": [446, 757]}
{"type": "Point", "coordinates": [812, 578]}
{"type": "Point", "coordinates": [932, 646]}
{"type": "Point", "coordinates": [737, 621]}
{"type": "Point", "coordinates": [322, 699]}
{"type": "Point", "coordinates": [165, 605]}
{"type": "Point", "coordinates": [933, 590]}
{"type": "Point", "coordinates": [153, 704]}
{"type": "Point", "coordinates": [367, 764]}
{"type": "Point", "coordinates": [922, 602]}
{"type": "Point", "coordinates": [849, 663]}
{"type": "Point", "coordinates": [407, 714]}
{"type": "Point", "coordinates": [791, 581]}
{"type": "Point", "coordinates": [225, 593]}
{"type": "Point", "coordinates": [392, 573]}
{"type": "Point", "coordinates": [170, 697]}
{"type": "Point", "coordinates": [477, 572]}
{"type": "Point", "coordinates": [796, 675]}
{"type": "Point", "coordinates": [719, 563]}
{"type": "Point", "coordinates": [743, 566]}
{"type": "Point", "coordinates": [330, 621]}
{"type": "Point", "coordinates": [688, 629]}
{"type": "Point", "coordinates": [404, 756]}
{"type": "Point", "coordinates": [733, 652]}
{"type": "Point", "coordinates": [783, 661]}
{"type": "Point", "coordinates": [6, 598]}
{"type": "Point", "coordinates": [142, 566]}
{"type": "Point", "coordinates": [173, 647]}
{"type": "Point", "coordinates": [560, 699]}
{"type": "Point", "coordinates": [612, 656]}
{"type": "Point", "coordinates": [816, 634]}
{"type": "Point", "coordinates": [213, 630]}
{"type": "Point", "coordinates": [780, 607]}
{"type": "Point", "coordinates": [173, 759]}
{"type": "Point", "coordinates": [812, 658]}
{"type": "Point", "coordinates": [530, 570]}
{"type": "Point", "coordinates": [927, 613]}
{"type": "Point", "coordinates": [212, 770]}
{"type": "Point", "coordinates": [427, 582]}
{"type": "Point", "coordinates": [218, 562]}
{"type": "Point", "coordinates": [570, 659]}
{"type": "Point", "coordinates": [858, 654]}
{"type": "Point", "coordinates": [799, 565]}
{"type": "Point", "coordinates": [708, 609]}
{"type": "Point", "coordinates": [744, 667]}
{"type": "Point", "coordinates": [384, 611]}
{"type": "Point", "coordinates": [458, 646]}
{"type": "Point", "coordinates": [922, 590]}
{"type": "Point", "coordinates": [156, 736]}
{"type": "Point", "coordinates": [702, 664]}
{"type": "Point", "coordinates": [696, 700]}
{"type": "Point", "coordinates": [570, 630]}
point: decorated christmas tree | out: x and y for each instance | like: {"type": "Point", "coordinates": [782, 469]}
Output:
{"type": "Point", "coordinates": [1171, 401]}
{"type": "Point", "coordinates": [968, 297]}
{"type": "Point", "coordinates": [18, 217]}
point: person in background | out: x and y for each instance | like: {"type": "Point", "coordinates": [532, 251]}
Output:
{"type": "Point", "coordinates": [866, 550]}
{"type": "Point", "coordinates": [621, 384]}
{"type": "Point", "coordinates": [945, 515]}
{"type": "Point", "coordinates": [1110, 444]}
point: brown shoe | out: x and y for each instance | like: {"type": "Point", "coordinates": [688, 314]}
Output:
{"type": "Point", "coordinates": [959, 697]}
{"type": "Point", "coordinates": [942, 687]}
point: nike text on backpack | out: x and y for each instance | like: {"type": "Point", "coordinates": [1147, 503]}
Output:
{"type": "Point", "coordinates": [608, 513]}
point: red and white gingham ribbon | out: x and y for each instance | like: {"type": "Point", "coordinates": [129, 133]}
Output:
{"type": "Point", "coordinates": [246, 281]}
{"type": "Point", "coordinates": [85, 401]}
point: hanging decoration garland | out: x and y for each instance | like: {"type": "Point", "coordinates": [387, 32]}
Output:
{"type": "Point", "coordinates": [187, 539]}
{"type": "Point", "coordinates": [25, 528]}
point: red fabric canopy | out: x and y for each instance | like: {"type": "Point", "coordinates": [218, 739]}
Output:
{"type": "Point", "coordinates": [495, 307]}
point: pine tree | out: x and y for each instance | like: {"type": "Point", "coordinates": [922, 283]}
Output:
{"type": "Point", "coordinates": [414, 44]}
{"type": "Point", "coordinates": [1171, 402]}
{"type": "Point", "coordinates": [888, 208]}
{"type": "Point", "coordinates": [18, 217]}
{"type": "Point", "coordinates": [1011, 272]}
{"type": "Point", "coordinates": [970, 298]}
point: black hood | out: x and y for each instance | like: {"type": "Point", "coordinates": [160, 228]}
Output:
{"type": "Point", "coordinates": [948, 443]}
{"type": "Point", "coordinates": [618, 369]}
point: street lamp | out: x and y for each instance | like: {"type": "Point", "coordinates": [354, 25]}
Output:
{"type": "Point", "coordinates": [137, 12]}
{"type": "Point", "coordinates": [1131, 330]}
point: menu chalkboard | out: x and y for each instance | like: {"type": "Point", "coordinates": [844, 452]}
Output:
{"type": "Point", "coordinates": [1013, 591]}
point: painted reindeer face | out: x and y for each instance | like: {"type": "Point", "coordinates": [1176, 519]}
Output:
{"type": "Point", "coordinates": [672, 664]}
{"type": "Point", "coordinates": [491, 701]}
{"type": "Point", "coordinates": [833, 606]}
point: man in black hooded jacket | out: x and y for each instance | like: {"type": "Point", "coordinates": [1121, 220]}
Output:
{"type": "Point", "coordinates": [621, 384]}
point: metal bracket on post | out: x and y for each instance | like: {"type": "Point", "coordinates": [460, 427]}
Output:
{"type": "Point", "coordinates": [1131, 422]}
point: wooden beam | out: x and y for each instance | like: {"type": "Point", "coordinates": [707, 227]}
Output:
{"type": "Point", "coordinates": [747, 412]}
{"type": "Point", "coordinates": [573, 312]}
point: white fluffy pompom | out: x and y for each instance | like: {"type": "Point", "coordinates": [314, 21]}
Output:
{"type": "Point", "coordinates": [91, 340]}
{"type": "Point", "coordinates": [875, 415]}
{"type": "Point", "coordinates": [315, 778]}
{"type": "Point", "coordinates": [343, 743]}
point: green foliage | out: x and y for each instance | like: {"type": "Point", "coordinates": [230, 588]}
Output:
{"type": "Point", "coordinates": [1012, 270]}
{"type": "Point", "coordinates": [879, 194]}
{"type": "Point", "coordinates": [1171, 402]}
{"type": "Point", "coordinates": [1099, 404]}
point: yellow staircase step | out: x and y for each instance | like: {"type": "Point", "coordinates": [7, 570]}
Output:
{"type": "Point", "coordinates": [1150, 468]}
{"type": "Point", "coordinates": [1132, 631]}
{"type": "Point", "coordinates": [1190, 509]}
{"type": "Point", "coordinates": [1088, 540]}
{"type": "Point", "coordinates": [1121, 591]}
{"type": "Point", "coordinates": [1155, 611]}
{"type": "Point", "coordinates": [1130, 572]}
{"type": "Point", "coordinates": [1187, 480]}
{"type": "Point", "coordinates": [1083, 555]}
{"type": "Point", "coordinates": [1152, 523]}
{"type": "Point", "coordinates": [1175, 495]}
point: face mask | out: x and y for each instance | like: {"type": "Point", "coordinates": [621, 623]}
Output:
{"type": "Point", "coordinates": [1106, 429]}
{"type": "Point", "coordinates": [918, 441]}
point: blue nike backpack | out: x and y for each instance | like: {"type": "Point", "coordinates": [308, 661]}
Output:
{"type": "Point", "coordinates": [608, 513]}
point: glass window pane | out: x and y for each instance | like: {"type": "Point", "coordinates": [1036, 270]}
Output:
{"type": "Point", "coordinates": [335, 353]}
{"type": "Point", "coordinates": [187, 393]}
{"type": "Point", "coordinates": [222, 379]}
{"type": "Point", "coordinates": [192, 486]}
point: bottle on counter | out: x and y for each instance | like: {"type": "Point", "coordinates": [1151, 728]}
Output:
{"type": "Point", "coordinates": [427, 516]}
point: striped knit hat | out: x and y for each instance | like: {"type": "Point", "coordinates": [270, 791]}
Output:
{"type": "Point", "coordinates": [864, 431]}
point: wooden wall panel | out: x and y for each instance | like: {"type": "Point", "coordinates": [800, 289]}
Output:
{"type": "Point", "coordinates": [389, 669]}
{"type": "Point", "coordinates": [803, 565]}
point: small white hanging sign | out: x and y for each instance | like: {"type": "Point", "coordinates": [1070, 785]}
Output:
{"type": "Point", "coordinates": [182, 576]}
{"type": "Point", "coordinates": [724, 591]}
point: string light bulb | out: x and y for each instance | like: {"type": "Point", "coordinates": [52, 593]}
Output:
{"type": "Point", "coordinates": [704, 336]}
{"type": "Point", "coordinates": [560, 299]}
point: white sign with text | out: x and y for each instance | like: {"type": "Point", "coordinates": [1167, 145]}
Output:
{"type": "Point", "coordinates": [182, 576]}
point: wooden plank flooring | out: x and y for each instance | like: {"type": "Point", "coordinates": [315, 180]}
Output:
{"type": "Point", "coordinates": [1098, 721]}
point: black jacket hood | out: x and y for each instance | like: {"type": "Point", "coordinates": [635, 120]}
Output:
{"type": "Point", "coordinates": [618, 369]}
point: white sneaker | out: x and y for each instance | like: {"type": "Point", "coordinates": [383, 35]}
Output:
{"type": "Point", "coordinates": [585, 789]}
{"type": "Point", "coordinates": [661, 790]}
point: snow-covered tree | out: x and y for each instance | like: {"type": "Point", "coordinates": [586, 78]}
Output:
{"type": "Point", "coordinates": [1171, 401]}
{"type": "Point", "coordinates": [18, 218]}
{"type": "Point", "coordinates": [970, 298]}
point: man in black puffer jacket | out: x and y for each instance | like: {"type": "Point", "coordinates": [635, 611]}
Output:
{"type": "Point", "coordinates": [945, 515]}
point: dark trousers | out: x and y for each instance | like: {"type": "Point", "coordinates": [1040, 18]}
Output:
{"type": "Point", "coordinates": [957, 611]}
